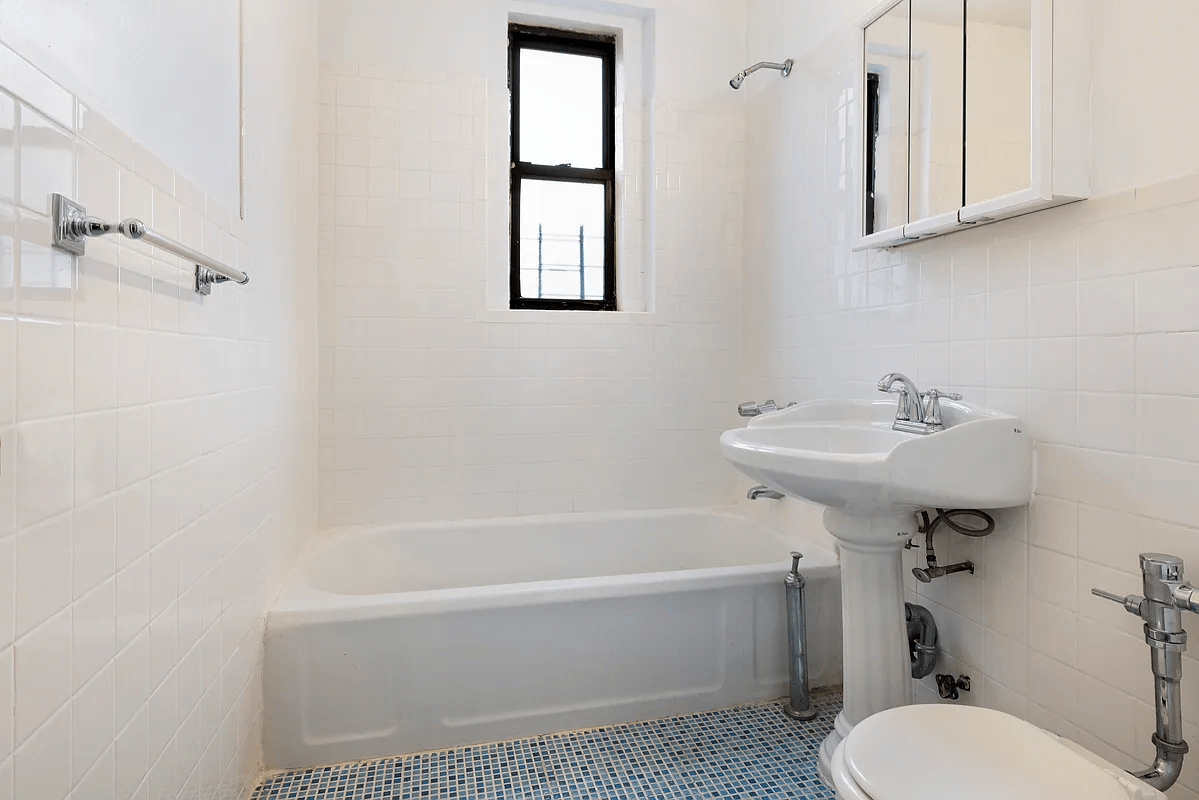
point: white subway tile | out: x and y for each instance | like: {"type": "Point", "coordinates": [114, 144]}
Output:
{"type": "Point", "coordinates": [133, 445]}
{"type": "Point", "coordinates": [45, 469]}
{"type": "Point", "coordinates": [92, 712]}
{"type": "Point", "coordinates": [1107, 537]}
{"type": "Point", "coordinates": [1053, 364]}
{"type": "Point", "coordinates": [1053, 524]}
{"type": "Point", "coordinates": [133, 523]}
{"type": "Point", "coordinates": [8, 148]}
{"type": "Point", "coordinates": [93, 637]}
{"type": "Point", "coordinates": [8, 371]}
{"type": "Point", "coordinates": [1104, 712]}
{"type": "Point", "coordinates": [1054, 310]}
{"type": "Point", "coordinates": [1051, 685]}
{"type": "Point", "coordinates": [1053, 632]}
{"type": "Point", "coordinates": [104, 135]}
{"type": "Point", "coordinates": [20, 78]}
{"type": "Point", "coordinates": [1164, 301]}
{"type": "Point", "coordinates": [1107, 421]}
{"type": "Point", "coordinates": [95, 456]}
{"type": "Point", "coordinates": [45, 368]}
{"type": "Point", "coordinates": [42, 668]}
{"type": "Point", "coordinates": [93, 548]}
{"type": "Point", "coordinates": [1107, 364]}
{"type": "Point", "coordinates": [133, 754]}
{"type": "Point", "coordinates": [95, 354]}
{"type": "Point", "coordinates": [38, 763]}
{"type": "Point", "coordinates": [1107, 306]}
{"type": "Point", "coordinates": [1052, 577]}
{"type": "Point", "coordinates": [47, 156]}
{"type": "Point", "coordinates": [1165, 490]}
{"type": "Point", "coordinates": [1168, 427]}
{"type": "Point", "coordinates": [99, 180]}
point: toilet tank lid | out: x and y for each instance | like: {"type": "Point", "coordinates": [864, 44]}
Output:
{"type": "Point", "coordinates": [942, 752]}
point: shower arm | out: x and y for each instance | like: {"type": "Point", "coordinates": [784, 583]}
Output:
{"type": "Point", "coordinates": [784, 68]}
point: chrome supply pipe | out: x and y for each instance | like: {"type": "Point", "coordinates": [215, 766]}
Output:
{"type": "Point", "coordinates": [1166, 596]}
{"type": "Point", "coordinates": [784, 68]}
{"type": "Point", "coordinates": [799, 704]}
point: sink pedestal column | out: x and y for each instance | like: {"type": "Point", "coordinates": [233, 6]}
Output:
{"type": "Point", "coordinates": [877, 664]}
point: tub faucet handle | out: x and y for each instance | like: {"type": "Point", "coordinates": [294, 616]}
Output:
{"type": "Point", "coordinates": [795, 557]}
{"type": "Point", "coordinates": [757, 409]}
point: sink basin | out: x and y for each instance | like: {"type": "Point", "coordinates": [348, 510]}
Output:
{"type": "Point", "coordinates": [872, 479]}
{"type": "Point", "coordinates": [844, 455]}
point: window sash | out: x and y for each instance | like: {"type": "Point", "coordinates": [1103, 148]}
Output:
{"type": "Point", "coordinates": [578, 44]}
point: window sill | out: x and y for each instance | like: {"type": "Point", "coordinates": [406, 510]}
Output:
{"type": "Point", "coordinates": [560, 317]}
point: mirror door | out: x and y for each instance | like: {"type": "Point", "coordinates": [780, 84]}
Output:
{"type": "Point", "coordinates": [887, 87]}
{"type": "Point", "coordinates": [937, 173]}
{"type": "Point", "coordinates": [999, 36]}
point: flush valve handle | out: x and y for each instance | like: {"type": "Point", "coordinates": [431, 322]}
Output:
{"type": "Point", "coordinates": [1132, 603]}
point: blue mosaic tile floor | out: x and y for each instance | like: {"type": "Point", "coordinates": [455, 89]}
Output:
{"type": "Point", "coordinates": [744, 752]}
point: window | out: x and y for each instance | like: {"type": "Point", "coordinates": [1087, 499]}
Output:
{"type": "Point", "coordinates": [872, 101]}
{"type": "Point", "coordinates": [563, 162]}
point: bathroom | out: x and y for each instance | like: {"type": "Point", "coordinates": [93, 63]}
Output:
{"type": "Point", "coordinates": [377, 515]}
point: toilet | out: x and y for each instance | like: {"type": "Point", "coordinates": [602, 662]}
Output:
{"type": "Point", "coordinates": [943, 752]}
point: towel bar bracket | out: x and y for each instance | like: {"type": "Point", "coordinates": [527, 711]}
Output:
{"type": "Point", "coordinates": [205, 278]}
{"type": "Point", "coordinates": [69, 221]}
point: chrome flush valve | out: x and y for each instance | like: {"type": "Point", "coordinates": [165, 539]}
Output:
{"type": "Point", "coordinates": [1166, 596]}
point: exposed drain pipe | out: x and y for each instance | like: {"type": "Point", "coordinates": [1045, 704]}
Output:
{"type": "Point", "coordinates": [1166, 597]}
{"type": "Point", "coordinates": [922, 639]}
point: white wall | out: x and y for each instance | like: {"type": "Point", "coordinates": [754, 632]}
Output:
{"type": "Point", "coordinates": [1081, 319]}
{"type": "Point", "coordinates": [166, 73]}
{"type": "Point", "coordinates": [157, 472]}
{"type": "Point", "coordinates": [437, 402]}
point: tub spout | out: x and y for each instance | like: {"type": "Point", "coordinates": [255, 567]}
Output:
{"type": "Point", "coordinates": [764, 491]}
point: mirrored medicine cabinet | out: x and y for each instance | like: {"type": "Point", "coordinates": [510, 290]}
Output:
{"type": "Point", "coordinates": [972, 111]}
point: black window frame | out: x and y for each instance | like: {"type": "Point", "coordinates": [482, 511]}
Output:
{"type": "Point", "coordinates": [522, 37]}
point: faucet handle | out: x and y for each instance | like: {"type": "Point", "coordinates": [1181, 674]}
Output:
{"type": "Point", "coordinates": [1132, 603]}
{"type": "Point", "coordinates": [932, 407]}
{"type": "Point", "coordinates": [755, 409]}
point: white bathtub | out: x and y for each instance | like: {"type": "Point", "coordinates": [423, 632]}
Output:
{"type": "Point", "coordinates": [397, 640]}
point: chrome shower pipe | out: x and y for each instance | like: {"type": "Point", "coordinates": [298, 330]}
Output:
{"type": "Point", "coordinates": [740, 77]}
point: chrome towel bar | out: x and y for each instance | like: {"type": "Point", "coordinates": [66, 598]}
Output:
{"type": "Point", "coordinates": [73, 227]}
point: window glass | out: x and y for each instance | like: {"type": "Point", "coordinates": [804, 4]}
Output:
{"type": "Point", "coordinates": [562, 240]}
{"type": "Point", "coordinates": [561, 109]}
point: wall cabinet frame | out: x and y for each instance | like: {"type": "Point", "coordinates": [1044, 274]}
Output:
{"type": "Point", "coordinates": [1058, 145]}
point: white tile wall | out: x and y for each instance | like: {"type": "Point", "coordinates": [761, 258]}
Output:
{"type": "Point", "coordinates": [1081, 319]}
{"type": "Point", "coordinates": [155, 449]}
{"type": "Point", "coordinates": [434, 406]}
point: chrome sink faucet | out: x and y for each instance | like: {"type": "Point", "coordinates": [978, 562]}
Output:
{"type": "Point", "coordinates": [918, 412]}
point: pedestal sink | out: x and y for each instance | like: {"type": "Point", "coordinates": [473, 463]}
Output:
{"type": "Point", "coordinates": [872, 479]}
